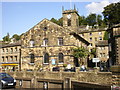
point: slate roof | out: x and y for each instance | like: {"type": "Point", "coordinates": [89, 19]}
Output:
{"type": "Point", "coordinates": [18, 43]}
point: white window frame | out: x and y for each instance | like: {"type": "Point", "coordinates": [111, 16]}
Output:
{"type": "Point", "coordinates": [60, 39]}
{"type": "Point", "coordinates": [32, 43]}
{"type": "Point", "coordinates": [45, 42]}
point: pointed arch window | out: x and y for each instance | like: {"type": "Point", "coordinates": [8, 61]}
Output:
{"type": "Point", "coordinates": [32, 58]}
{"type": "Point", "coordinates": [46, 58]}
{"type": "Point", "coordinates": [60, 57]}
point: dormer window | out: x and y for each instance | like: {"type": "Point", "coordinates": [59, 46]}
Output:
{"type": "Point", "coordinates": [45, 41]}
{"type": "Point", "coordinates": [31, 43]}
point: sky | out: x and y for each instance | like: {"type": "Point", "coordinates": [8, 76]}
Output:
{"type": "Point", "coordinates": [17, 17]}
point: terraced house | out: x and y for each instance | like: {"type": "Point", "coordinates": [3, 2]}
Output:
{"type": "Point", "coordinates": [47, 44]}
{"type": "Point", "coordinates": [10, 56]}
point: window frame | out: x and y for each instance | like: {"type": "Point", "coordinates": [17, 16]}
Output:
{"type": "Point", "coordinates": [60, 58]}
{"type": "Point", "coordinates": [3, 58]}
{"type": "Point", "coordinates": [100, 38]}
{"type": "Point", "coordinates": [32, 43]}
{"type": "Point", "coordinates": [90, 34]}
{"type": "Point", "coordinates": [32, 58]}
{"type": "Point", "coordinates": [44, 57]}
{"type": "Point", "coordinates": [90, 38]}
{"type": "Point", "coordinates": [69, 22]}
{"type": "Point", "coordinates": [60, 41]}
{"type": "Point", "coordinates": [45, 42]}
{"type": "Point", "coordinates": [99, 33]}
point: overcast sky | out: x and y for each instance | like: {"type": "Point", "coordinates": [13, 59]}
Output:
{"type": "Point", "coordinates": [19, 17]}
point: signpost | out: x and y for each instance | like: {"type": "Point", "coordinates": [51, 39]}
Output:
{"type": "Point", "coordinates": [95, 60]}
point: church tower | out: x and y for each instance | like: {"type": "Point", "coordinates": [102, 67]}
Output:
{"type": "Point", "coordinates": [70, 19]}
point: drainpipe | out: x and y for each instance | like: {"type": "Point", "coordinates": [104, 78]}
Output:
{"type": "Point", "coordinates": [20, 61]}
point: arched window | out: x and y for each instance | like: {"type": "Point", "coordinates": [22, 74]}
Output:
{"type": "Point", "coordinates": [31, 43]}
{"type": "Point", "coordinates": [60, 57]}
{"type": "Point", "coordinates": [46, 58]}
{"type": "Point", "coordinates": [32, 58]}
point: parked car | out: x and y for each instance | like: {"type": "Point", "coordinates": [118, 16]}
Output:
{"type": "Point", "coordinates": [7, 81]}
{"type": "Point", "coordinates": [70, 70]}
{"type": "Point", "coordinates": [56, 69]}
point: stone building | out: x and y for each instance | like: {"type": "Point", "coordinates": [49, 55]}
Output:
{"type": "Point", "coordinates": [114, 52]}
{"type": "Point", "coordinates": [102, 54]}
{"type": "Point", "coordinates": [92, 35]}
{"type": "Point", "coordinates": [102, 50]}
{"type": "Point", "coordinates": [114, 44]}
{"type": "Point", "coordinates": [47, 44]}
{"type": "Point", "coordinates": [10, 56]}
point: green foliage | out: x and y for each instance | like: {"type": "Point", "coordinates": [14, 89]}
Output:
{"type": "Point", "coordinates": [17, 37]}
{"type": "Point", "coordinates": [64, 65]}
{"type": "Point", "coordinates": [59, 21]}
{"type": "Point", "coordinates": [80, 52]}
{"type": "Point", "coordinates": [106, 37]}
{"type": "Point", "coordinates": [91, 19]}
{"type": "Point", "coordinates": [6, 38]}
{"type": "Point", "coordinates": [111, 13]}
{"type": "Point", "coordinates": [54, 20]}
{"type": "Point", "coordinates": [93, 52]}
{"type": "Point", "coordinates": [99, 20]}
{"type": "Point", "coordinates": [82, 20]}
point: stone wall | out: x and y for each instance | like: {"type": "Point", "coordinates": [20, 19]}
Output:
{"type": "Point", "coordinates": [101, 78]}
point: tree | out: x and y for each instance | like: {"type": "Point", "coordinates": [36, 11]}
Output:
{"type": "Point", "coordinates": [60, 22]}
{"type": "Point", "coordinates": [54, 20]}
{"type": "Point", "coordinates": [93, 52]}
{"type": "Point", "coordinates": [17, 37]}
{"type": "Point", "coordinates": [91, 19]}
{"type": "Point", "coordinates": [111, 13]}
{"type": "Point", "coordinates": [80, 53]}
{"type": "Point", "coordinates": [99, 20]}
{"type": "Point", "coordinates": [82, 20]}
{"type": "Point", "coordinates": [106, 37]}
{"type": "Point", "coordinates": [6, 38]}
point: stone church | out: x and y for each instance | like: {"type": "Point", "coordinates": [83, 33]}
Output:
{"type": "Point", "coordinates": [47, 44]}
